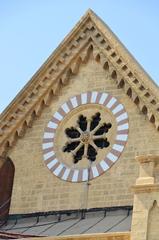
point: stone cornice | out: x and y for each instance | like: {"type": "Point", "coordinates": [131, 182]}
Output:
{"type": "Point", "coordinates": [147, 188]}
{"type": "Point", "coordinates": [90, 34]}
{"type": "Point", "coordinates": [94, 236]}
{"type": "Point", "coordinates": [123, 51]}
{"type": "Point", "coordinates": [147, 158]}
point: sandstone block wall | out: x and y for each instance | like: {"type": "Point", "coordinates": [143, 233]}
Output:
{"type": "Point", "coordinates": [36, 189]}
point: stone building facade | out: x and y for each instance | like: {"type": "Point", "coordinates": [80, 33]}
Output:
{"type": "Point", "coordinates": [75, 129]}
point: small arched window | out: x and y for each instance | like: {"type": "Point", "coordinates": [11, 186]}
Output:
{"type": "Point", "coordinates": [6, 184]}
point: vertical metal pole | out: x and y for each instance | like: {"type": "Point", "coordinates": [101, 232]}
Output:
{"type": "Point", "coordinates": [85, 194]}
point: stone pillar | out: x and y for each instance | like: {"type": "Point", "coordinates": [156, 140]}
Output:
{"type": "Point", "coordinates": [146, 191]}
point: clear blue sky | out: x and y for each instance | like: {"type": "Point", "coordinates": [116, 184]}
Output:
{"type": "Point", "coordinates": [30, 30]}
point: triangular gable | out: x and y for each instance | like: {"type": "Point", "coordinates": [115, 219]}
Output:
{"type": "Point", "coordinates": [90, 34]}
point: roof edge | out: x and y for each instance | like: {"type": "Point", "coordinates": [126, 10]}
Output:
{"type": "Point", "coordinates": [52, 56]}
{"type": "Point", "coordinates": [121, 47]}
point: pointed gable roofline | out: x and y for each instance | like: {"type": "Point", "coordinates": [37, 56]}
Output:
{"type": "Point", "coordinates": [89, 34]}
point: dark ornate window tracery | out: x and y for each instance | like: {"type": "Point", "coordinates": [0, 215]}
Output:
{"type": "Point", "coordinates": [87, 137]}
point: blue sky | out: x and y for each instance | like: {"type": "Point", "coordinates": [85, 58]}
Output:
{"type": "Point", "coordinates": [30, 30]}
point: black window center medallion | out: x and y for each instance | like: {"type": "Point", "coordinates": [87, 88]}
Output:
{"type": "Point", "coordinates": [87, 137]}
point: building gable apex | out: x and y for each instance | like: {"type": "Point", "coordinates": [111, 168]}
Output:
{"type": "Point", "coordinates": [89, 35]}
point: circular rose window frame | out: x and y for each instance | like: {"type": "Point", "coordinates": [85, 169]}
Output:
{"type": "Point", "coordinates": [60, 169]}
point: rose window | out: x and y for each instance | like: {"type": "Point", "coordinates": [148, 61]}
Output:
{"type": "Point", "coordinates": [87, 138]}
